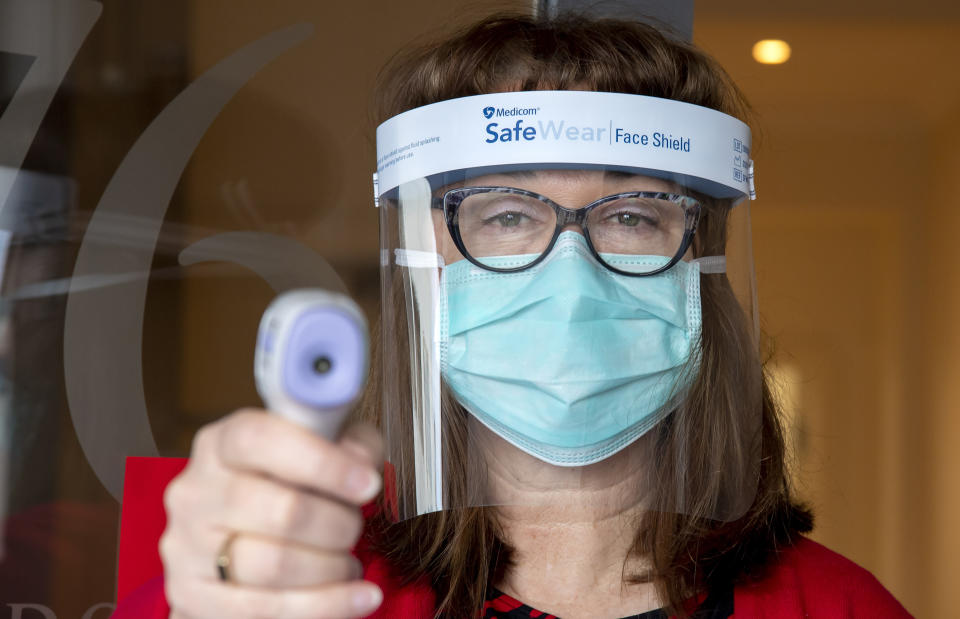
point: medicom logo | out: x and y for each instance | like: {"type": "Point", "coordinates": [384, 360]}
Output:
{"type": "Point", "coordinates": [490, 111]}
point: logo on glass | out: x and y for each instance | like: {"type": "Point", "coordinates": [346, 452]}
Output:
{"type": "Point", "coordinates": [488, 112]}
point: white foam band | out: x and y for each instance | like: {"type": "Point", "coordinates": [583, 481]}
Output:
{"type": "Point", "coordinates": [711, 264]}
{"type": "Point", "coordinates": [425, 259]}
{"type": "Point", "coordinates": [702, 148]}
{"type": "Point", "coordinates": [413, 258]}
{"type": "Point", "coordinates": [418, 259]}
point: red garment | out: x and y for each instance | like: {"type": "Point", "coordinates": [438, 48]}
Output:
{"type": "Point", "coordinates": [806, 581]}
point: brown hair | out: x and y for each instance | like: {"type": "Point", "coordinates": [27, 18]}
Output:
{"type": "Point", "coordinates": [460, 551]}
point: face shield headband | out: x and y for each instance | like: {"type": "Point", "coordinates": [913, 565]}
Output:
{"type": "Point", "coordinates": [697, 147]}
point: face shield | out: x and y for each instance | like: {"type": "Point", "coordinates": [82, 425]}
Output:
{"type": "Point", "coordinates": [568, 304]}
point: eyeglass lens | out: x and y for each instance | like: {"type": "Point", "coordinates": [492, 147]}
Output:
{"type": "Point", "coordinates": [494, 224]}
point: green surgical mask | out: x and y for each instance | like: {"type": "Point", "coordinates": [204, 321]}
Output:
{"type": "Point", "coordinates": [567, 360]}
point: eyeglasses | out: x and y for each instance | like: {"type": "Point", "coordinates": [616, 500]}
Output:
{"type": "Point", "coordinates": [487, 223]}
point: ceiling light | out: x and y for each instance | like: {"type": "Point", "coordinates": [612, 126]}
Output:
{"type": "Point", "coordinates": [771, 51]}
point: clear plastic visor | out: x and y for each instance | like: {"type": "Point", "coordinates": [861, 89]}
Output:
{"type": "Point", "coordinates": [548, 337]}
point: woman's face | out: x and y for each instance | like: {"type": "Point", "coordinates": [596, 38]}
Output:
{"type": "Point", "coordinates": [572, 189]}
{"type": "Point", "coordinates": [516, 477]}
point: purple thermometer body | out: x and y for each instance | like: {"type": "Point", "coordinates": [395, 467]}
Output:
{"type": "Point", "coordinates": [312, 358]}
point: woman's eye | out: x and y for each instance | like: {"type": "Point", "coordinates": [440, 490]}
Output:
{"type": "Point", "coordinates": [509, 214]}
{"type": "Point", "coordinates": [509, 219]}
{"type": "Point", "coordinates": [633, 219]}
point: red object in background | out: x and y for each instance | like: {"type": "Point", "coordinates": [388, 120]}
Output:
{"type": "Point", "coordinates": [143, 519]}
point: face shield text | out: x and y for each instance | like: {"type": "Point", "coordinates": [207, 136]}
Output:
{"type": "Point", "coordinates": [548, 130]}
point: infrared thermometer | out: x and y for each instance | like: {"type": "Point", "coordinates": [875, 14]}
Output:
{"type": "Point", "coordinates": [312, 358]}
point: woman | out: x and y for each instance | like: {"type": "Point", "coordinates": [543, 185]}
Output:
{"type": "Point", "coordinates": [512, 489]}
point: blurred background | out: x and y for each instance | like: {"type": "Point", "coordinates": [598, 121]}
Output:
{"type": "Point", "coordinates": [859, 286]}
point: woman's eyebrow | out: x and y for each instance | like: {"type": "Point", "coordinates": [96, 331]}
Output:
{"type": "Point", "coordinates": [621, 175]}
{"type": "Point", "coordinates": [520, 174]}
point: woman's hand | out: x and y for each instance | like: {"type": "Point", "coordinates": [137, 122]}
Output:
{"type": "Point", "coordinates": [288, 502]}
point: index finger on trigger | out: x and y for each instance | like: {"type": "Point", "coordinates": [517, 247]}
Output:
{"type": "Point", "coordinates": [266, 444]}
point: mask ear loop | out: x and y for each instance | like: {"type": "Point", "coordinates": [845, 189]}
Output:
{"type": "Point", "coordinates": [416, 230]}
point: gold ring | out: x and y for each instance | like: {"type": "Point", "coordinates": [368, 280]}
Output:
{"type": "Point", "coordinates": [224, 559]}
